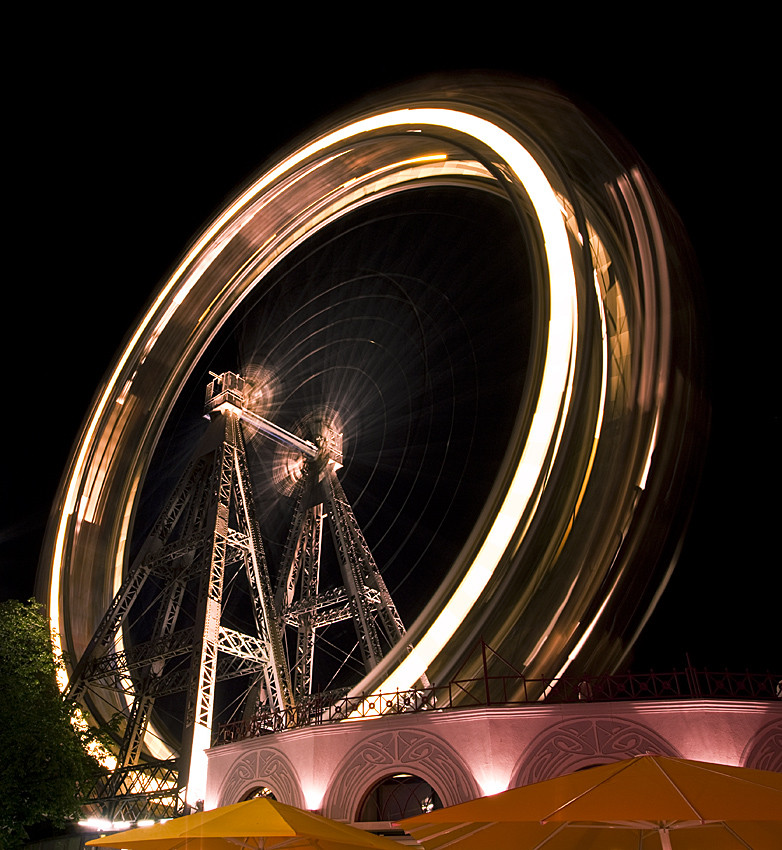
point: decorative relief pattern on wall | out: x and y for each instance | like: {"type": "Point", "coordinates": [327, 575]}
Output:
{"type": "Point", "coordinates": [575, 744]}
{"type": "Point", "coordinates": [401, 751]}
{"type": "Point", "coordinates": [764, 751]}
{"type": "Point", "coordinates": [265, 767]}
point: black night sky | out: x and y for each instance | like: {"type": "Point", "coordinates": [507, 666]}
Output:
{"type": "Point", "coordinates": [123, 144]}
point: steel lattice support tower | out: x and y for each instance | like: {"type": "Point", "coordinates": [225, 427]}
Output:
{"type": "Point", "coordinates": [176, 583]}
{"type": "Point", "coordinates": [363, 596]}
{"type": "Point", "coordinates": [208, 523]}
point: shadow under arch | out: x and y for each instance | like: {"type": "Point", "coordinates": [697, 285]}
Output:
{"type": "Point", "coordinates": [399, 795]}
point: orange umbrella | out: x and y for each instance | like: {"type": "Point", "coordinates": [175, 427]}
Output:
{"type": "Point", "coordinates": [643, 803]}
{"type": "Point", "coordinates": [257, 824]}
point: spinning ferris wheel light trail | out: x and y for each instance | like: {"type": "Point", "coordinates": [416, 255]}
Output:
{"type": "Point", "coordinates": [492, 425]}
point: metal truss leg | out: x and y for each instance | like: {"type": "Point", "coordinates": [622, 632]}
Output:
{"type": "Point", "coordinates": [372, 604]}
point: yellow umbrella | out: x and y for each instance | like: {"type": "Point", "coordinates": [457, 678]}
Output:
{"type": "Point", "coordinates": [643, 803]}
{"type": "Point", "coordinates": [258, 824]}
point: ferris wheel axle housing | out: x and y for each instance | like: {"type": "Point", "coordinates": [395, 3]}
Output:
{"type": "Point", "coordinates": [227, 393]}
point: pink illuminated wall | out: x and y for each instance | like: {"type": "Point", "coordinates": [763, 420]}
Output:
{"type": "Point", "coordinates": [463, 754]}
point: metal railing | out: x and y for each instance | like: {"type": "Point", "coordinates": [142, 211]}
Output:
{"type": "Point", "coordinates": [511, 690]}
{"type": "Point", "coordinates": [135, 792]}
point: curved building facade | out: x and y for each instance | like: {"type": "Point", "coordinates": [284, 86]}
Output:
{"type": "Point", "coordinates": [461, 754]}
{"type": "Point", "coordinates": [474, 302]}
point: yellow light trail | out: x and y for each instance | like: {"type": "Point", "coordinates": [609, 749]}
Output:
{"type": "Point", "coordinates": [556, 385]}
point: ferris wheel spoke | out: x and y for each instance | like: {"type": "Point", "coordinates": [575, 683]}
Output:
{"type": "Point", "coordinates": [457, 354]}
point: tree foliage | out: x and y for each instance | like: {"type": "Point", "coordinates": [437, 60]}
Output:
{"type": "Point", "coordinates": [43, 757]}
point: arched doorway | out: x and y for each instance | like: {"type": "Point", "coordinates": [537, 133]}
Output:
{"type": "Point", "coordinates": [259, 791]}
{"type": "Point", "coordinates": [398, 796]}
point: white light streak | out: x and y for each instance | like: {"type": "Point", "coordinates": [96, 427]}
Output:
{"type": "Point", "coordinates": [555, 389]}
{"type": "Point", "coordinates": [649, 453]}
{"type": "Point", "coordinates": [556, 385]}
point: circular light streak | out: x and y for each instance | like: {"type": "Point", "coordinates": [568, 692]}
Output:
{"type": "Point", "coordinates": [590, 233]}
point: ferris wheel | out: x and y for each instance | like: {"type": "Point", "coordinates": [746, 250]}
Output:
{"type": "Point", "coordinates": [428, 379]}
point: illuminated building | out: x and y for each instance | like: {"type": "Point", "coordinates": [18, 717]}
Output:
{"type": "Point", "coordinates": [545, 413]}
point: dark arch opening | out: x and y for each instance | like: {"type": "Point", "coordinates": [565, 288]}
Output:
{"type": "Point", "coordinates": [259, 791]}
{"type": "Point", "coordinates": [401, 795]}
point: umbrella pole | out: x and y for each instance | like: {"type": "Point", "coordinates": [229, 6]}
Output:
{"type": "Point", "coordinates": [665, 838]}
